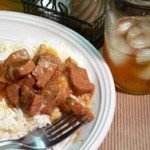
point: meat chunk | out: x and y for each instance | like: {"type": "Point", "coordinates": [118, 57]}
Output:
{"type": "Point", "coordinates": [1, 65]}
{"type": "Point", "coordinates": [57, 90]}
{"type": "Point", "coordinates": [29, 80]}
{"type": "Point", "coordinates": [61, 78]}
{"type": "Point", "coordinates": [70, 62]}
{"type": "Point", "coordinates": [20, 69]}
{"type": "Point", "coordinates": [64, 107]}
{"type": "Point", "coordinates": [79, 110]}
{"type": "Point", "coordinates": [3, 71]}
{"type": "Point", "coordinates": [76, 107]}
{"type": "Point", "coordinates": [2, 88]}
{"type": "Point", "coordinates": [46, 67]}
{"type": "Point", "coordinates": [30, 102]}
{"type": "Point", "coordinates": [79, 78]}
{"type": "Point", "coordinates": [3, 79]}
{"type": "Point", "coordinates": [41, 50]}
{"type": "Point", "coordinates": [12, 92]}
{"type": "Point", "coordinates": [16, 57]}
{"type": "Point", "coordinates": [89, 114]}
{"type": "Point", "coordinates": [53, 95]}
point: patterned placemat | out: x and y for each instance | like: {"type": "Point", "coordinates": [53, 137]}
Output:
{"type": "Point", "coordinates": [130, 129]}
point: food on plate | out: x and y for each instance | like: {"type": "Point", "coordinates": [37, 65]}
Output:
{"type": "Point", "coordinates": [39, 86]}
{"type": "Point", "coordinates": [12, 92]}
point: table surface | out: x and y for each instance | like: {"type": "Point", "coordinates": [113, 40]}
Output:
{"type": "Point", "coordinates": [130, 129]}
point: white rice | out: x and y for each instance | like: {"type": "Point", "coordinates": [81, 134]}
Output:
{"type": "Point", "coordinates": [14, 123]}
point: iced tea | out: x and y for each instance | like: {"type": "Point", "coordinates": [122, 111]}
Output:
{"type": "Point", "coordinates": [127, 52]}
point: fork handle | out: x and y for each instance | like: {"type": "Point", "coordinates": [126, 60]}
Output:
{"type": "Point", "coordinates": [13, 144]}
{"type": "Point", "coordinates": [10, 144]}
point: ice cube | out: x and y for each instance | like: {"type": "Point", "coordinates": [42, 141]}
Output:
{"type": "Point", "coordinates": [145, 24]}
{"type": "Point", "coordinates": [116, 56]}
{"type": "Point", "coordinates": [122, 46]}
{"type": "Point", "coordinates": [123, 26]}
{"type": "Point", "coordinates": [118, 50]}
{"type": "Point", "coordinates": [132, 33]}
{"type": "Point", "coordinates": [138, 36]}
{"type": "Point", "coordinates": [143, 56]}
{"type": "Point", "coordinates": [145, 73]}
{"type": "Point", "coordinates": [141, 41]}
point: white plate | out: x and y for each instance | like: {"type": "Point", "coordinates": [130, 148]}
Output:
{"type": "Point", "coordinates": [17, 26]}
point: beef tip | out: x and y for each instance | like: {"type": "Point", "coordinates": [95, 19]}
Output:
{"type": "Point", "coordinates": [41, 50]}
{"type": "Point", "coordinates": [79, 78]}
{"type": "Point", "coordinates": [3, 71]}
{"type": "Point", "coordinates": [64, 107]}
{"type": "Point", "coordinates": [61, 77]}
{"type": "Point", "coordinates": [59, 85]}
{"type": "Point", "coordinates": [29, 80]}
{"type": "Point", "coordinates": [1, 66]}
{"type": "Point", "coordinates": [30, 102]}
{"type": "Point", "coordinates": [46, 67]}
{"type": "Point", "coordinates": [3, 79]}
{"type": "Point", "coordinates": [17, 56]}
{"type": "Point", "coordinates": [53, 95]}
{"type": "Point", "coordinates": [12, 92]}
{"type": "Point", "coordinates": [60, 71]}
{"type": "Point", "coordinates": [20, 69]}
{"type": "Point", "coordinates": [89, 114]}
{"type": "Point", "coordinates": [56, 91]}
{"type": "Point", "coordinates": [70, 62]}
{"type": "Point", "coordinates": [2, 88]}
{"type": "Point", "coordinates": [79, 110]}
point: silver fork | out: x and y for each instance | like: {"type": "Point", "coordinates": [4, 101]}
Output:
{"type": "Point", "coordinates": [48, 136]}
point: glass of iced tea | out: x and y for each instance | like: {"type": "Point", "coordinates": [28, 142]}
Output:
{"type": "Point", "coordinates": [127, 44]}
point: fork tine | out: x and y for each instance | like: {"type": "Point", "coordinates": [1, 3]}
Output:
{"type": "Point", "coordinates": [66, 134]}
{"type": "Point", "coordinates": [66, 126]}
{"type": "Point", "coordinates": [60, 122]}
{"type": "Point", "coordinates": [63, 117]}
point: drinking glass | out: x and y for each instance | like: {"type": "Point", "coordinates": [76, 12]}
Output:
{"type": "Point", "coordinates": [127, 44]}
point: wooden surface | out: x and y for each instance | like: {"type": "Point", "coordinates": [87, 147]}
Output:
{"type": "Point", "coordinates": [130, 129]}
